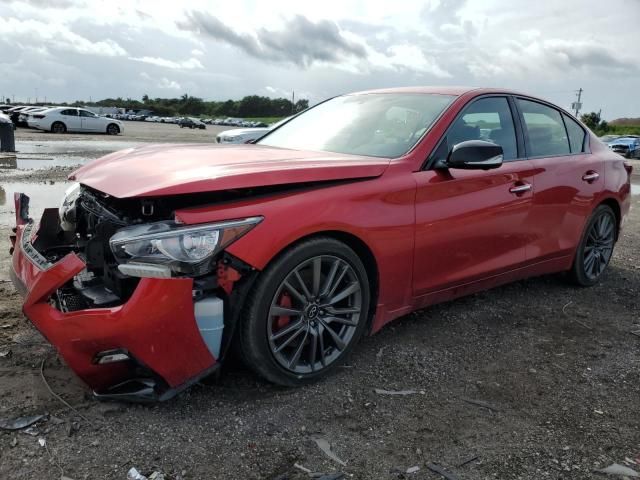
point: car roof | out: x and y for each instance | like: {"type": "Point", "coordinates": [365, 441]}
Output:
{"type": "Point", "coordinates": [450, 90]}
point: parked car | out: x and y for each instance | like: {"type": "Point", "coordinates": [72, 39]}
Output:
{"type": "Point", "coordinates": [355, 212]}
{"type": "Point", "coordinates": [246, 135]}
{"type": "Point", "coordinates": [627, 146]}
{"type": "Point", "coordinates": [5, 119]}
{"type": "Point", "coordinates": [71, 119]}
{"type": "Point", "coordinates": [188, 122]}
{"type": "Point", "coordinates": [23, 117]}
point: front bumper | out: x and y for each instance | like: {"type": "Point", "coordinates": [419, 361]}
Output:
{"type": "Point", "coordinates": [156, 326]}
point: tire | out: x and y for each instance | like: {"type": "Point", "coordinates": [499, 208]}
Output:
{"type": "Point", "coordinates": [113, 129]}
{"type": "Point", "coordinates": [596, 247]}
{"type": "Point", "coordinates": [58, 127]}
{"type": "Point", "coordinates": [297, 349]}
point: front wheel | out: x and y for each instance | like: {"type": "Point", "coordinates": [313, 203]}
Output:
{"type": "Point", "coordinates": [307, 311]}
{"type": "Point", "coordinates": [596, 247]}
{"type": "Point", "coordinates": [113, 129]}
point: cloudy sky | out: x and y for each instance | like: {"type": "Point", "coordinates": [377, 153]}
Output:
{"type": "Point", "coordinates": [81, 49]}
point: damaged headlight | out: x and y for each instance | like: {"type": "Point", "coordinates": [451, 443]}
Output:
{"type": "Point", "coordinates": [165, 248]}
{"type": "Point", "coordinates": [67, 210]}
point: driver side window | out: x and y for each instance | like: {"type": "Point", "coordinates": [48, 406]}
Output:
{"type": "Point", "coordinates": [486, 119]}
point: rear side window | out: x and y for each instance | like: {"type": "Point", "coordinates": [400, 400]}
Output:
{"type": "Point", "coordinates": [545, 129]}
{"type": "Point", "coordinates": [576, 134]}
{"type": "Point", "coordinates": [487, 119]}
{"type": "Point", "coordinates": [70, 111]}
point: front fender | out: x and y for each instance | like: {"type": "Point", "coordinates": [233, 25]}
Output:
{"type": "Point", "coordinates": [379, 212]}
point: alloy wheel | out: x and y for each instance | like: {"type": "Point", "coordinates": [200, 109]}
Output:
{"type": "Point", "coordinates": [599, 245]}
{"type": "Point", "coordinates": [314, 314]}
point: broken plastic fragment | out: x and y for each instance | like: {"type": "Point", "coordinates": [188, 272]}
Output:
{"type": "Point", "coordinates": [379, 391]}
{"type": "Point", "coordinates": [324, 445]}
{"type": "Point", "coordinates": [19, 422]}
{"type": "Point", "coordinates": [617, 469]}
{"type": "Point", "coordinates": [134, 474]}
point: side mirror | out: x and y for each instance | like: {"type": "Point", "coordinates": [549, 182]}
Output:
{"type": "Point", "coordinates": [474, 154]}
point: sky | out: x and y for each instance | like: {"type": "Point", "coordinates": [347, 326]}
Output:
{"type": "Point", "coordinates": [82, 49]}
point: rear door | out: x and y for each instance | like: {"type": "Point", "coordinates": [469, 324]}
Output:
{"type": "Point", "coordinates": [567, 178]}
{"type": "Point", "coordinates": [71, 119]}
{"type": "Point", "coordinates": [472, 224]}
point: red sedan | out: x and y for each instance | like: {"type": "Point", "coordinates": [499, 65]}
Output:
{"type": "Point", "coordinates": [353, 213]}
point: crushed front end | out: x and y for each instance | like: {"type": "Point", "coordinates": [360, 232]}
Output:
{"type": "Point", "coordinates": [138, 305]}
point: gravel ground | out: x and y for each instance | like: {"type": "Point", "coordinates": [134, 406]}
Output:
{"type": "Point", "coordinates": [534, 380]}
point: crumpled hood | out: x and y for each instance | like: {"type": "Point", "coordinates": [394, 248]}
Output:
{"type": "Point", "coordinates": [165, 169]}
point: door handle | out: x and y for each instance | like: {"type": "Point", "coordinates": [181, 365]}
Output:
{"type": "Point", "coordinates": [591, 176]}
{"type": "Point", "coordinates": [519, 189]}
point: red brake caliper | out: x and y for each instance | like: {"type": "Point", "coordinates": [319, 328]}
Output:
{"type": "Point", "coordinates": [283, 320]}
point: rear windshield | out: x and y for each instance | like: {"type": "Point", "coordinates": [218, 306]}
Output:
{"type": "Point", "coordinates": [378, 125]}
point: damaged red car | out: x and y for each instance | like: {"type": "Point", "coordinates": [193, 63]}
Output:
{"type": "Point", "coordinates": [355, 212]}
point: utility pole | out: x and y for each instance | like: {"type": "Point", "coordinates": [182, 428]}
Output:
{"type": "Point", "coordinates": [577, 105]}
{"type": "Point", "coordinates": [293, 102]}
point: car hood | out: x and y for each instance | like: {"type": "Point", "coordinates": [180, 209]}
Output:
{"type": "Point", "coordinates": [156, 170]}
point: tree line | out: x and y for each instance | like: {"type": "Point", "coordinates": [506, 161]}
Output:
{"type": "Point", "coordinates": [249, 106]}
{"type": "Point", "coordinates": [621, 126]}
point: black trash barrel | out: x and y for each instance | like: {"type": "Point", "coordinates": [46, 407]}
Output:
{"type": "Point", "coordinates": [7, 139]}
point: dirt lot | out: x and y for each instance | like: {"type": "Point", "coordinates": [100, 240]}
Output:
{"type": "Point", "coordinates": [535, 380]}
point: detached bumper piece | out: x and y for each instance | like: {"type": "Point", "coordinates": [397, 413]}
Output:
{"type": "Point", "coordinates": [146, 349]}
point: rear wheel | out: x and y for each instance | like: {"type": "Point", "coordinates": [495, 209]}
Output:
{"type": "Point", "coordinates": [596, 247]}
{"type": "Point", "coordinates": [58, 127]}
{"type": "Point", "coordinates": [113, 129]}
{"type": "Point", "coordinates": [306, 313]}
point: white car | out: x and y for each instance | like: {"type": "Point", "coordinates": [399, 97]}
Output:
{"type": "Point", "coordinates": [246, 135]}
{"type": "Point", "coordinates": [71, 119]}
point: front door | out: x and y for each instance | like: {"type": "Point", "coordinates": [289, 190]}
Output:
{"type": "Point", "coordinates": [90, 121]}
{"type": "Point", "coordinates": [472, 224]}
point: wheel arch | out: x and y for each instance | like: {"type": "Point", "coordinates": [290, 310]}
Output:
{"type": "Point", "coordinates": [364, 252]}
{"type": "Point", "coordinates": [60, 122]}
{"type": "Point", "coordinates": [617, 211]}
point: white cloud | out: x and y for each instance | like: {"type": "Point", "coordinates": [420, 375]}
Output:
{"type": "Point", "coordinates": [54, 36]}
{"type": "Point", "coordinates": [165, 83]}
{"type": "Point", "coordinates": [190, 64]}
{"type": "Point", "coordinates": [547, 46]}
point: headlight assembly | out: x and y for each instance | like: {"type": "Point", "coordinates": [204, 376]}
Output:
{"type": "Point", "coordinates": [174, 249]}
{"type": "Point", "coordinates": [67, 210]}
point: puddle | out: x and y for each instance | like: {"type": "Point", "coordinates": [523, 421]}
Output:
{"type": "Point", "coordinates": [42, 195]}
{"type": "Point", "coordinates": [39, 154]}
{"type": "Point", "coordinates": [635, 189]}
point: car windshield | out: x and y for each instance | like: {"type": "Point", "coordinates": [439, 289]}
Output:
{"type": "Point", "coordinates": [377, 124]}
